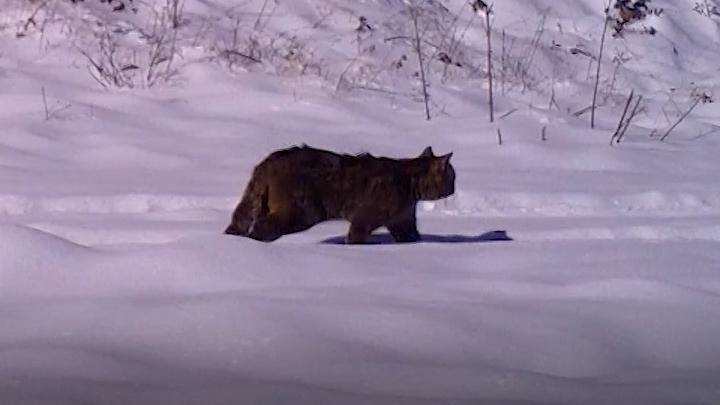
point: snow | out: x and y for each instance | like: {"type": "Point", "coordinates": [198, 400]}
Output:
{"type": "Point", "coordinates": [563, 271]}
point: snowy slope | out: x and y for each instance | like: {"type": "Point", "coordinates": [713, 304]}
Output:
{"type": "Point", "coordinates": [562, 271]}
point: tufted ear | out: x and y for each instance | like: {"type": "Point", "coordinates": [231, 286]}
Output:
{"type": "Point", "coordinates": [446, 158]}
{"type": "Point", "coordinates": [428, 152]}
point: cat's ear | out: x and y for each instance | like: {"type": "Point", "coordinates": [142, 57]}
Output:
{"type": "Point", "coordinates": [428, 152]}
{"type": "Point", "coordinates": [446, 158]}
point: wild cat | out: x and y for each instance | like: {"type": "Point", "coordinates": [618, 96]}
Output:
{"type": "Point", "coordinates": [296, 188]}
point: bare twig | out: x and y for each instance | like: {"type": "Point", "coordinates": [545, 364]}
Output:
{"type": "Point", "coordinates": [499, 134]}
{"type": "Point", "coordinates": [412, 40]}
{"type": "Point", "coordinates": [622, 117]}
{"type": "Point", "coordinates": [162, 41]}
{"type": "Point", "coordinates": [502, 63]}
{"type": "Point", "coordinates": [633, 113]}
{"type": "Point", "coordinates": [31, 20]}
{"type": "Point", "coordinates": [553, 101]}
{"type": "Point", "coordinates": [51, 111]}
{"type": "Point", "coordinates": [341, 78]}
{"type": "Point", "coordinates": [230, 52]}
{"type": "Point", "coordinates": [95, 77]}
{"type": "Point", "coordinates": [382, 91]}
{"type": "Point", "coordinates": [582, 111]}
{"type": "Point", "coordinates": [100, 74]}
{"type": "Point", "coordinates": [398, 37]}
{"type": "Point", "coordinates": [414, 16]}
{"type": "Point", "coordinates": [692, 107]}
{"type": "Point", "coordinates": [47, 111]}
{"type": "Point", "coordinates": [526, 64]}
{"type": "Point", "coordinates": [599, 64]}
{"type": "Point", "coordinates": [201, 31]}
{"type": "Point", "coordinates": [234, 44]}
{"type": "Point", "coordinates": [113, 66]}
{"type": "Point", "coordinates": [174, 11]}
{"type": "Point", "coordinates": [508, 113]}
{"type": "Point", "coordinates": [488, 31]}
{"type": "Point", "coordinates": [260, 15]}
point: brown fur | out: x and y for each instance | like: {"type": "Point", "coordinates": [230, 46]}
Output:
{"type": "Point", "coordinates": [294, 189]}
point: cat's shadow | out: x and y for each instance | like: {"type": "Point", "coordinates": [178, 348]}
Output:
{"type": "Point", "coordinates": [387, 239]}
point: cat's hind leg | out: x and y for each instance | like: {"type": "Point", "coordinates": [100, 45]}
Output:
{"type": "Point", "coordinates": [242, 219]}
{"type": "Point", "coordinates": [276, 224]}
{"type": "Point", "coordinates": [268, 228]}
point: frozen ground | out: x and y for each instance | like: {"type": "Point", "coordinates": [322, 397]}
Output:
{"type": "Point", "coordinates": [561, 272]}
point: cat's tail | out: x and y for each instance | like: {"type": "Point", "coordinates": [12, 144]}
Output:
{"type": "Point", "coordinates": [252, 205]}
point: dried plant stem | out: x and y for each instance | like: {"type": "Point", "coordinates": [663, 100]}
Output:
{"type": "Point", "coordinates": [44, 97]}
{"type": "Point", "coordinates": [633, 113]}
{"type": "Point", "coordinates": [597, 73]}
{"type": "Point", "coordinates": [174, 11]}
{"type": "Point", "coordinates": [260, 15]}
{"type": "Point", "coordinates": [553, 101]}
{"type": "Point", "coordinates": [488, 31]}
{"type": "Point", "coordinates": [681, 119]}
{"type": "Point", "coordinates": [507, 114]}
{"type": "Point", "coordinates": [502, 62]}
{"type": "Point", "coordinates": [414, 14]}
{"type": "Point", "coordinates": [622, 117]}
{"type": "Point", "coordinates": [31, 20]}
{"type": "Point", "coordinates": [232, 52]}
{"type": "Point", "coordinates": [582, 111]}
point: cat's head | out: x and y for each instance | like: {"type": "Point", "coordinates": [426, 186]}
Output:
{"type": "Point", "coordinates": [438, 178]}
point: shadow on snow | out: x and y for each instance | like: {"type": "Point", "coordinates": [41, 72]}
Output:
{"type": "Point", "coordinates": [387, 239]}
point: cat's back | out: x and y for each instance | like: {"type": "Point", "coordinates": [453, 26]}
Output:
{"type": "Point", "coordinates": [299, 161]}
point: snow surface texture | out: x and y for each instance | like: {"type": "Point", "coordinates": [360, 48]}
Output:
{"type": "Point", "coordinates": [563, 271]}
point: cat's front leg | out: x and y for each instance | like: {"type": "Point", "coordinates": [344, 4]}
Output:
{"type": "Point", "coordinates": [403, 228]}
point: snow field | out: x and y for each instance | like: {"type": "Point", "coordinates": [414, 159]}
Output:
{"type": "Point", "coordinates": [562, 271]}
